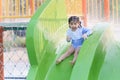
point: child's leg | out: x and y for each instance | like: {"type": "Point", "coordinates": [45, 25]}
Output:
{"type": "Point", "coordinates": [66, 54]}
{"type": "Point", "coordinates": [75, 55]}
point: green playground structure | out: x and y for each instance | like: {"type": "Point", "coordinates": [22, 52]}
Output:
{"type": "Point", "coordinates": [98, 58]}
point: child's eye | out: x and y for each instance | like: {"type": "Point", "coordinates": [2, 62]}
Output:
{"type": "Point", "coordinates": [71, 23]}
{"type": "Point", "coordinates": [74, 23]}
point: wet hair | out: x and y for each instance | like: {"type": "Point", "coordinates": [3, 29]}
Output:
{"type": "Point", "coordinates": [73, 18]}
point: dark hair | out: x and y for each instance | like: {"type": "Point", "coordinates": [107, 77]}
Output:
{"type": "Point", "coordinates": [80, 24]}
{"type": "Point", "coordinates": [73, 18]}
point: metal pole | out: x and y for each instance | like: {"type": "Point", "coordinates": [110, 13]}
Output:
{"type": "Point", "coordinates": [106, 10]}
{"type": "Point", "coordinates": [1, 55]}
{"type": "Point", "coordinates": [32, 6]}
{"type": "Point", "coordinates": [0, 10]}
{"type": "Point", "coordinates": [84, 10]}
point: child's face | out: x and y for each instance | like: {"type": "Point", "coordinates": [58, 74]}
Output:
{"type": "Point", "coordinates": [73, 25]}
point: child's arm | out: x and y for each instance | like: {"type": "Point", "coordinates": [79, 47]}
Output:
{"type": "Point", "coordinates": [68, 39]}
{"type": "Point", "coordinates": [86, 32]}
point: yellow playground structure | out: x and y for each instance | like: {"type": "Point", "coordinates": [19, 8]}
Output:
{"type": "Point", "coordinates": [86, 9]}
{"type": "Point", "coordinates": [18, 8]}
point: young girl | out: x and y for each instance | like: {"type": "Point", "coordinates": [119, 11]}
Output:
{"type": "Point", "coordinates": [76, 34]}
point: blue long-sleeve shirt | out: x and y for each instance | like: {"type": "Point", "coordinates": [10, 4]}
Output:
{"type": "Point", "coordinates": [76, 36]}
{"type": "Point", "coordinates": [78, 33]}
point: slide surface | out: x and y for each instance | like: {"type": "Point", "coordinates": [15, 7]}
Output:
{"type": "Point", "coordinates": [98, 58]}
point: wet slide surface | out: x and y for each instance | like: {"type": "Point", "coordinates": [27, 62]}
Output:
{"type": "Point", "coordinates": [97, 60]}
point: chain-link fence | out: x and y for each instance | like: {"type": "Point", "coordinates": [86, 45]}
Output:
{"type": "Point", "coordinates": [16, 64]}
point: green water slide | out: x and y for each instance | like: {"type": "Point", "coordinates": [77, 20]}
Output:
{"type": "Point", "coordinates": [98, 58]}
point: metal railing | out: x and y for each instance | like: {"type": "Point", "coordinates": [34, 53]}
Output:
{"type": "Point", "coordinates": [15, 58]}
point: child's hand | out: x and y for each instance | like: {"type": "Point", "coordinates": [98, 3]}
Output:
{"type": "Point", "coordinates": [68, 39]}
{"type": "Point", "coordinates": [84, 36]}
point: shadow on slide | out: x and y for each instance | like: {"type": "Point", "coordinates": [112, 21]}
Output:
{"type": "Point", "coordinates": [98, 59]}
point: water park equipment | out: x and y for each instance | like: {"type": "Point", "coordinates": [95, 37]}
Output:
{"type": "Point", "coordinates": [97, 10]}
{"type": "Point", "coordinates": [97, 60]}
